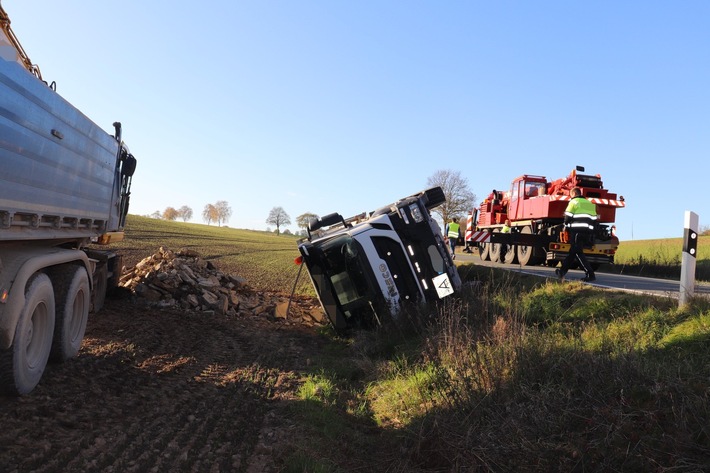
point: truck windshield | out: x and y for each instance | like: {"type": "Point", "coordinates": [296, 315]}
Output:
{"type": "Point", "coordinates": [345, 271]}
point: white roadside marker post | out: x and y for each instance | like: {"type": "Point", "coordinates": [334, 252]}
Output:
{"type": "Point", "coordinates": [690, 247]}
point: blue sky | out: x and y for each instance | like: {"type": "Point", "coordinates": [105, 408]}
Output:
{"type": "Point", "coordinates": [337, 106]}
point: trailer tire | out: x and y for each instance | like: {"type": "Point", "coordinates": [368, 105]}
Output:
{"type": "Point", "coordinates": [100, 288]}
{"type": "Point", "coordinates": [22, 365]}
{"type": "Point", "coordinates": [72, 314]}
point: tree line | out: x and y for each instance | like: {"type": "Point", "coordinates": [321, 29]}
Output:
{"type": "Point", "coordinates": [459, 201]}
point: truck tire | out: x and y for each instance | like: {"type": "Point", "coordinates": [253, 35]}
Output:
{"type": "Point", "coordinates": [435, 197]}
{"type": "Point", "coordinates": [530, 255]}
{"type": "Point", "coordinates": [22, 365]}
{"type": "Point", "coordinates": [100, 288]}
{"type": "Point", "coordinates": [484, 251]}
{"type": "Point", "coordinates": [511, 255]}
{"type": "Point", "coordinates": [495, 250]}
{"type": "Point", "coordinates": [74, 299]}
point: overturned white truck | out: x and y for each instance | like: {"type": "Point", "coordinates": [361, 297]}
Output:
{"type": "Point", "coordinates": [64, 184]}
{"type": "Point", "coordinates": [371, 266]}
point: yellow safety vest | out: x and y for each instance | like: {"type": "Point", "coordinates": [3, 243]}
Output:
{"type": "Point", "coordinates": [453, 230]}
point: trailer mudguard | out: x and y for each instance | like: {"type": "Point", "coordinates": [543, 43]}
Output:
{"type": "Point", "coordinates": [17, 265]}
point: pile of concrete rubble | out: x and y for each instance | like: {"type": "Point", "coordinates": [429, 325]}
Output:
{"type": "Point", "coordinates": [184, 280]}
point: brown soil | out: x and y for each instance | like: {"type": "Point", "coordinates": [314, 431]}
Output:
{"type": "Point", "coordinates": [162, 390]}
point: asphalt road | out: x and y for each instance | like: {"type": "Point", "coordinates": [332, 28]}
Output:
{"type": "Point", "coordinates": [653, 286]}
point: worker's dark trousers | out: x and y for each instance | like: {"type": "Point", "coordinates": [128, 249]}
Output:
{"type": "Point", "coordinates": [576, 252]}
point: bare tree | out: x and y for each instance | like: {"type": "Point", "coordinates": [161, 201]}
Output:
{"type": "Point", "coordinates": [185, 213]}
{"type": "Point", "coordinates": [303, 219]}
{"type": "Point", "coordinates": [170, 213]}
{"type": "Point", "coordinates": [209, 214]}
{"type": "Point", "coordinates": [157, 214]}
{"type": "Point", "coordinates": [459, 198]}
{"type": "Point", "coordinates": [278, 217]}
{"type": "Point", "coordinates": [224, 211]}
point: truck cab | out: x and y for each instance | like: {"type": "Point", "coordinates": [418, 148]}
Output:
{"type": "Point", "coordinates": [372, 266]}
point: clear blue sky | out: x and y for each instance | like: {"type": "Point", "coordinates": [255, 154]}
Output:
{"type": "Point", "coordinates": [324, 106]}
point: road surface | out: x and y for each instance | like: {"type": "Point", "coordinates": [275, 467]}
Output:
{"type": "Point", "coordinates": [652, 286]}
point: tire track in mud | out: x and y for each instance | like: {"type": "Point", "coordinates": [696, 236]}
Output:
{"type": "Point", "coordinates": [155, 391]}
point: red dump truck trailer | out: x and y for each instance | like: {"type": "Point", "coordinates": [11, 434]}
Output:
{"type": "Point", "coordinates": [64, 189]}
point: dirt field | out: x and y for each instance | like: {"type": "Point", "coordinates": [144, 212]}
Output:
{"type": "Point", "coordinates": [155, 390]}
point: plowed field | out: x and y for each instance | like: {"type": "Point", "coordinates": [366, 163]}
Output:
{"type": "Point", "coordinates": [156, 390]}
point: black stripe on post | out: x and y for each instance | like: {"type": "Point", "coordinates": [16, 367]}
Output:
{"type": "Point", "coordinates": [690, 242]}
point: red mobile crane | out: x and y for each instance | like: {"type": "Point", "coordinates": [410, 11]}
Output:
{"type": "Point", "coordinates": [535, 208]}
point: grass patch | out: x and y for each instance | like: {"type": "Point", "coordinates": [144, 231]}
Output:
{"type": "Point", "coordinates": [515, 374]}
{"type": "Point", "coordinates": [659, 258]}
{"type": "Point", "coordinates": [264, 259]}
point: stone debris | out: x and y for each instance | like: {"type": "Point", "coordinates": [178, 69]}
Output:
{"type": "Point", "coordinates": [184, 280]}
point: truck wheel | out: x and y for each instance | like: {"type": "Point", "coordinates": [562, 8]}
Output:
{"type": "Point", "coordinates": [495, 250]}
{"type": "Point", "coordinates": [529, 255]}
{"type": "Point", "coordinates": [22, 365]}
{"type": "Point", "coordinates": [100, 288]}
{"type": "Point", "coordinates": [484, 251]}
{"type": "Point", "coordinates": [72, 314]}
{"type": "Point", "coordinates": [511, 255]}
{"type": "Point", "coordinates": [435, 197]}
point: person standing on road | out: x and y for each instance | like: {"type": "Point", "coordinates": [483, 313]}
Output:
{"type": "Point", "coordinates": [580, 220]}
{"type": "Point", "coordinates": [452, 232]}
{"type": "Point", "coordinates": [505, 229]}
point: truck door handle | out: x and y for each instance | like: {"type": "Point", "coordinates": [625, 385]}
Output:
{"type": "Point", "coordinates": [57, 134]}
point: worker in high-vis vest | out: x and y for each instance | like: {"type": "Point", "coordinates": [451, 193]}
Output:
{"type": "Point", "coordinates": [581, 221]}
{"type": "Point", "coordinates": [452, 233]}
{"type": "Point", "coordinates": [506, 229]}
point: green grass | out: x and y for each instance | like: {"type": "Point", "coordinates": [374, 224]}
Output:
{"type": "Point", "coordinates": [514, 374]}
{"type": "Point", "coordinates": [660, 258]}
{"type": "Point", "coordinates": [264, 259]}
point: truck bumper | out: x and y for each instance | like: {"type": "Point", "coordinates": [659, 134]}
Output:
{"type": "Point", "coordinates": [593, 258]}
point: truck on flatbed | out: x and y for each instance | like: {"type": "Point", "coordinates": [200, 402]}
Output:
{"type": "Point", "coordinates": [535, 208]}
{"type": "Point", "coordinates": [64, 191]}
{"type": "Point", "coordinates": [370, 267]}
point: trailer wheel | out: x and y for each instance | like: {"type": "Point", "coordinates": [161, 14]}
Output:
{"type": "Point", "coordinates": [72, 314]}
{"type": "Point", "coordinates": [22, 365]}
{"type": "Point", "coordinates": [511, 255]}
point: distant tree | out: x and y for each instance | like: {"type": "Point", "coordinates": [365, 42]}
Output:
{"type": "Point", "coordinates": [185, 213]}
{"type": "Point", "coordinates": [224, 211]}
{"type": "Point", "coordinates": [287, 232]}
{"type": "Point", "coordinates": [157, 214]}
{"type": "Point", "coordinates": [459, 198]}
{"type": "Point", "coordinates": [170, 213]}
{"type": "Point", "coordinates": [209, 214]}
{"type": "Point", "coordinates": [278, 217]}
{"type": "Point", "coordinates": [704, 230]}
{"type": "Point", "coordinates": [303, 220]}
